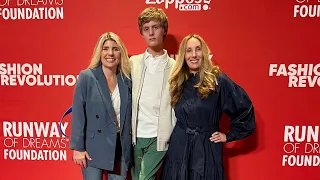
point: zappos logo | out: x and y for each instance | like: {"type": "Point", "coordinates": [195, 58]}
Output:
{"type": "Point", "coordinates": [61, 120]}
{"type": "Point", "coordinates": [184, 5]}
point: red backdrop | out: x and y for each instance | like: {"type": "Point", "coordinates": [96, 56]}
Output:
{"type": "Point", "coordinates": [249, 40]}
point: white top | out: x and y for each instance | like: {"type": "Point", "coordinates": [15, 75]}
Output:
{"type": "Point", "coordinates": [149, 104]}
{"type": "Point", "coordinates": [115, 97]}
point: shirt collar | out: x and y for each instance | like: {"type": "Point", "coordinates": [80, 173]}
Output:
{"type": "Point", "coordinates": [147, 55]}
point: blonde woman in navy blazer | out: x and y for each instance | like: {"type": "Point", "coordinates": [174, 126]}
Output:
{"type": "Point", "coordinates": [101, 112]}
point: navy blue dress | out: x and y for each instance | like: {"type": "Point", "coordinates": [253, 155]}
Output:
{"type": "Point", "coordinates": [191, 155]}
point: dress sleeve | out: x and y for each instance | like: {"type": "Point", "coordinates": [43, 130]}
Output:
{"type": "Point", "coordinates": [237, 105]}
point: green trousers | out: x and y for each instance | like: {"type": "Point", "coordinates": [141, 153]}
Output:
{"type": "Point", "coordinates": [147, 160]}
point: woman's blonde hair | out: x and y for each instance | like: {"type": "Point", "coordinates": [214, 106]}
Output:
{"type": "Point", "coordinates": [124, 65]}
{"type": "Point", "coordinates": [208, 72]}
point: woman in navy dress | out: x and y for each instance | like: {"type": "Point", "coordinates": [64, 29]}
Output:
{"type": "Point", "coordinates": [200, 94]}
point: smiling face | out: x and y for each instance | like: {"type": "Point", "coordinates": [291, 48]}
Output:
{"type": "Point", "coordinates": [193, 55]}
{"type": "Point", "coordinates": [110, 54]}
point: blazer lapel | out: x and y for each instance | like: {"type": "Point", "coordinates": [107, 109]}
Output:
{"type": "Point", "coordinates": [123, 90]}
{"type": "Point", "coordinates": [104, 91]}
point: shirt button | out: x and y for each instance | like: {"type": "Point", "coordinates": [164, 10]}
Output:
{"type": "Point", "coordinates": [97, 116]}
{"type": "Point", "coordinates": [99, 130]}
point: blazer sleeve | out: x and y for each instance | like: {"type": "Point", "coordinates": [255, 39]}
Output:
{"type": "Point", "coordinates": [237, 105]}
{"type": "Point", "coordinates": [78, 114]}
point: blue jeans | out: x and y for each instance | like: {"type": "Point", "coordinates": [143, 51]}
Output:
{"type": "Point", "coordinates": [92, 173]}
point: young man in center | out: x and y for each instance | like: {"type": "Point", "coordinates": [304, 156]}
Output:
{"type": "Point", "coordinates": [153, 118]}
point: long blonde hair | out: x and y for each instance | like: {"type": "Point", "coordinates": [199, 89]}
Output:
{"type": "Point", "coordinates": [208, 72]}
{"type": "Point", "coordinates": [124, 65]}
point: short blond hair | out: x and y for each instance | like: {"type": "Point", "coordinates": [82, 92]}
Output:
{"type": "Point", "coordinates": [124, 65]}
{"type": "Point", "coordinates": [153, 14]}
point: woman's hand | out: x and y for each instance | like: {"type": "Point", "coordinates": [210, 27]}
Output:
{"type": "Point", "coordinates": [218, 137]}
{"type": "Point", "coordinates": [80, 158]}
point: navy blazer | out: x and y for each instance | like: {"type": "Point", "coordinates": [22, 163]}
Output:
{"type": "Point", "coordinates": [93, 126]}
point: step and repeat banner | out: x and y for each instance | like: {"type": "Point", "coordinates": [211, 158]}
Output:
{"type": "Point", "coordinates": [269, 47]}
